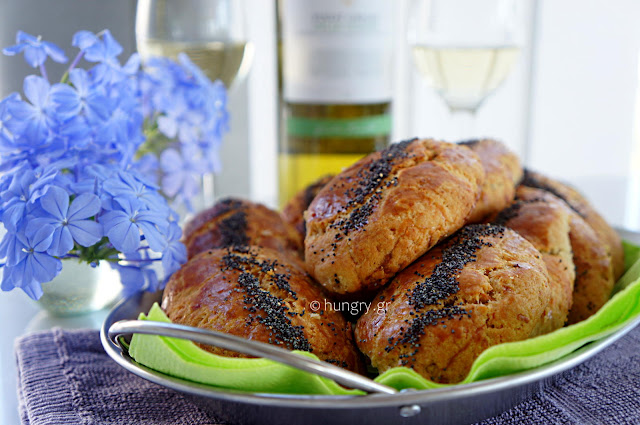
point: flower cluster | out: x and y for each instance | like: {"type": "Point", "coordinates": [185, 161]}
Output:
{"type": "Point", "coordinates": [83, 173]}
{"type": "Point", "coordinates": [188, 116]}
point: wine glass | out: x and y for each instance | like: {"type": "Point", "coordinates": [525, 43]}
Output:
{"type": "Point", "coordinates": [211, 32]}
{"type": "Point", "coordinates": [465, 49]}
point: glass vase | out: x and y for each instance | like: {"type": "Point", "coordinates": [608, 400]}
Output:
{"type": "Point", "coordinates": [80, 288]}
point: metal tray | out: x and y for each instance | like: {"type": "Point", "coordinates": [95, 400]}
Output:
{"type": "Point", "coordinates": [451, 405]}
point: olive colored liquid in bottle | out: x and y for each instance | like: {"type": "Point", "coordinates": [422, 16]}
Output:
{"type": "Point", "coordinates": [333, 74]}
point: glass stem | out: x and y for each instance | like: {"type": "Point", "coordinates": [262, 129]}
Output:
{"type": "Point", "coordinates": [464, 121]}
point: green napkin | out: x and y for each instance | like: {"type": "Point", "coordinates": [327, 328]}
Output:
{"type": "Point", "coordinates": [183, 359]}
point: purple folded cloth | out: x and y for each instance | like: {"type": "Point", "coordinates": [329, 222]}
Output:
{"type": "Point", "coordinates": [65, 377]}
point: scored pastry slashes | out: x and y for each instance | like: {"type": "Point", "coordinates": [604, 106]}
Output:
{"type": "Point", "coordinates": [485, 286]}
{"type": "Point", "coordinates": [258, 294]}
{"type": "Point", "coordinates": [377, 216]}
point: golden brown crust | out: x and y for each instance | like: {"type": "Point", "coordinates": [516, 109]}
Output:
{"type": "Point", "coordinates": [485, 286]}
{"type": "Point", "coordinates": [594, 271]}
{"type": "Point", "coordinates": [293, 212]}
{"type": "Point", "coordinates": [258, 294]}
{"type": "Point", "coordinates": [580, 205]}
{"type": "Point", "coordinates": [239, 222]}
{"type": "Point", "coordinates": [503, 172]}
{"type": "Point", "coordinates": [544, 220]}
{"type": "Point", "coordinates": [386, 210]}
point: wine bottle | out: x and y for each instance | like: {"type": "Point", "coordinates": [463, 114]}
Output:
{"type": "Point", "coordinates": [335, 86]}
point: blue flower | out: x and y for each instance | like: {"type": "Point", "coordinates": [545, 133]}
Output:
{"type": "Point", "coordinates": [176, 121]}
{"type": "Point", "coordinates": [137, 277]}
{"type": "Point", "coordinates": [106, 52]}
{"type": "Point", "coordinates": [35, 119]}
{"type": "Point", "coordinates": [193, 69]}
{"type": "Point", "coordinates": [131, 278]}
{"type": "Point", "coordinates": [34, 265]}
{"type": "Point", "coordinates": [182, 172]}
{"type": "Point", "coordinates": [84, 39]}
{"type": "Point", "coordinates": [77, 132]}
{"type": "Point", "coordinates": [11, 248]}
{"type": "Point", "coordinates": [15, 200]}
{"type": "Point", "coordinates": [75, 166]}
{"type": "Point", "coordinates": [175, 254]}
{"type": "Point", "coordinates": [70, 221]}
{"type": "Point", "coordinates": [25, 188]}
{"type": "Point", "coordinates": [98, 171]}
{"type": "Point", "coordinates": [128, 185]}
{"type": "Point", "coordinates": [123, 226]}
{"type": "Point", "coordinates": [6, 136]}
{"type": "Point", "coordinates": [123, 127]}
{"type": "Point", "coordinates": [84, 97]}
{"type": "Point", "coordinates": [219, 115]}
{"type": "Point", "coordinates": [147, 165]}
{"type": "Point", "coordinates": [211, 156]}
{"type": "Point", "coordinates": [189, 107]}
{"type": "Point", "coordinates": [35, 50]}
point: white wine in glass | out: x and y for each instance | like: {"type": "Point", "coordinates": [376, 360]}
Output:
{"type": "Point", "coordinates": [465, 76]}
{"type": "Point", "coordinates": [210, 32]}
{"type": "Point", "coordinates": [465, 49]}
{"type": "Point", "coordinates": [224, 61]}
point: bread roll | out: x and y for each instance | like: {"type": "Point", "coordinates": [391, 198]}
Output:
{"type": "Point", "coordinates": [594, 270]}
{"type": "Point", "coordinates": [581, 206]}
{"type": "Point", "coordinates": [377, 216]}
{"type": "Point", "coordinates": [293, 211]}
{"type": "Point", "coordinates": [485, 286]}
{"type": "Point", "coordinates": [543, 220]}
{"type": "Point", "coordinates": [259, 294]}
{"type": "Point", "coordinates": [240, 222]}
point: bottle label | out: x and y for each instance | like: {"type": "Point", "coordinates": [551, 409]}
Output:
{"type": "Point", "coordinates": [350, 128]}
{"type": "Point", "coordinates": [337, 51]}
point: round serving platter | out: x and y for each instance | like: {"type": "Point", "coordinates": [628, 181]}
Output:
{"type": "Point", "coordinates": [457, 404]}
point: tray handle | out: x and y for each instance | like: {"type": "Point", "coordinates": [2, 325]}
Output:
{"type": "Point", "coordinates": [249, 347]}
